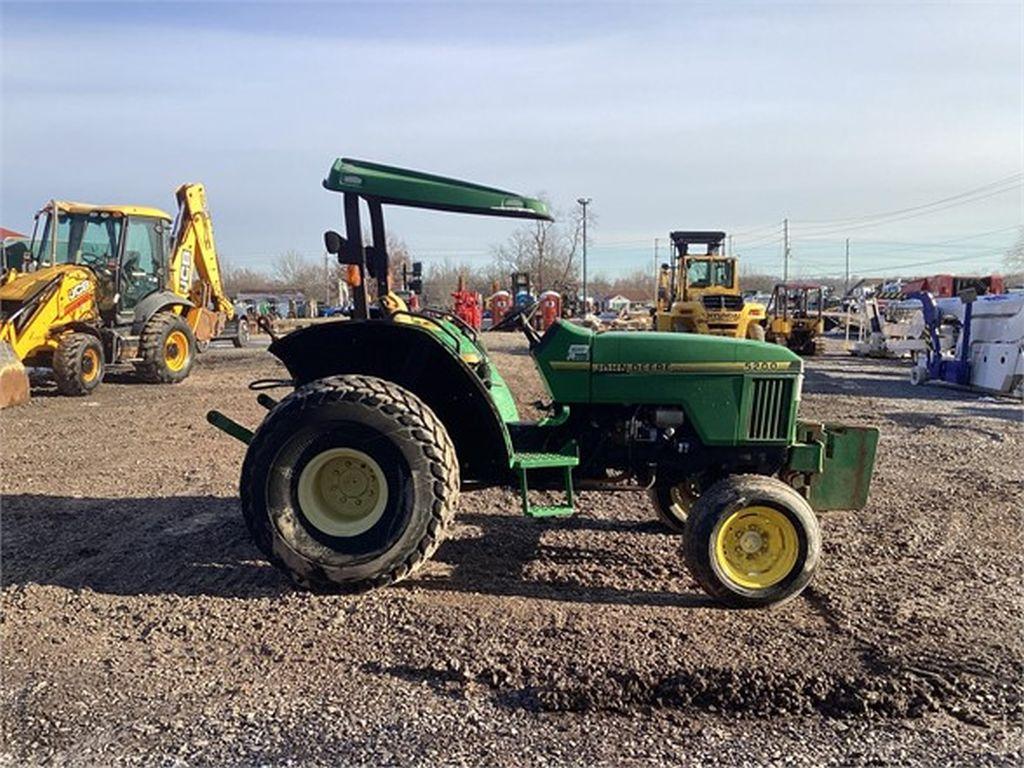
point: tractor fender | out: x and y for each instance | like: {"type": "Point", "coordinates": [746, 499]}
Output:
{"type": "Point", "coordinates": [415, 359]}
{"type": "Point", "coordinates": [155, 302]}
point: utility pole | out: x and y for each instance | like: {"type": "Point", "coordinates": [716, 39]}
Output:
{"type": "Point", "coordinates": [785, 250]}
{"type": "Point", "coordinates": [656, 272]}
{"type": "Point", "coordinates": [729, 249]}
{"type": "Point", "coordinates": [584, 202]}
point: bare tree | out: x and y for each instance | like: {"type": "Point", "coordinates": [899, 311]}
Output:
{"type": "Point", "coordinates": [296, 272]}
{"type": "Point", "coordinates": [241, 279]}
{"type": "Point", "coordinates": [1013, 260]}
{"type": "Point", "coordinates": [548, 250]}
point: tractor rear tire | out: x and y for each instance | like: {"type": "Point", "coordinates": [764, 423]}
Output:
{"type": "Point", "coordinates": [755, 332]}
{"type": "Point", "coordinates": [167, 348]}
{"type": "Point", "coordinates": [752, 541]}
{"type": "Point", "coordinates": [78, 364]}
{"type": "Point", "coordinates": [350, 483]}
{"type": "Point", "coordinates": [672, 503]}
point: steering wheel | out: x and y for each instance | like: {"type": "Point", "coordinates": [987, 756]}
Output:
{"type": "Point", "coordinates": [99, 263]}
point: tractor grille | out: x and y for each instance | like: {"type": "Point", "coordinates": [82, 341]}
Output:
{"type": "Point", "coordinates": [719, 303]}
{"type": "Point", "coordinates": [769, 411]}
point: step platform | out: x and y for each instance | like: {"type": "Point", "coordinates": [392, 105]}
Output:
{"type": "Point", "coordinates": [522, 463]}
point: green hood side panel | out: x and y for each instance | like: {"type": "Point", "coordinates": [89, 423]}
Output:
{"type": "Point", "coordinates": [709, 377]}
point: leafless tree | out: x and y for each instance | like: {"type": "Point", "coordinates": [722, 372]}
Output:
{"type": "Point", "coordinates": [1013, 261]}
{"type": "Point", "coordinates": [548, 250]}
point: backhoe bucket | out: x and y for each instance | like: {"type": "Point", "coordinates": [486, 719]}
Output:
{"type": "Point", "coordinates": [14, 386]}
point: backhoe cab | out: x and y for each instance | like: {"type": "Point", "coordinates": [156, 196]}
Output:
{"type": "Point", "coordinates": [108, 287]}
{"type": "Point", "coordinates": [699, 292]}
{"type": "Point", "coordinates": [353, 477]}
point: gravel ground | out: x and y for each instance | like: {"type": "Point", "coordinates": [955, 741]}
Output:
{"type": "Point", "coordinates": [140, 626]}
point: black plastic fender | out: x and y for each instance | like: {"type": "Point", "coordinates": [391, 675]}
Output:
{"type": "Point", "coordinates": [153, 303]}
{"type": "Point", "coordinates": [415, 359]}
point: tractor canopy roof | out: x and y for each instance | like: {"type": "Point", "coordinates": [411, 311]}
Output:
{"type": "Point", "coordinates": [703, 237]}
{"type": "Point", "coordinates": [68, 206]}
{"type": "Point", "coordinates": [398, 186]}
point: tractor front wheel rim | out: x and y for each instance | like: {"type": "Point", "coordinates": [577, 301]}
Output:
{"type": "Point", "coordinates": [756, 547]}
{"type": "Point", "coordinates": [176, 350]}
{"type": "Point", "coordinates": [342, 492]}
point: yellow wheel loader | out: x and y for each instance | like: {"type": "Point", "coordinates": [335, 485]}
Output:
{"type": "Point", "coordinates": [700, 292]}
{"type": "Point", "coordinates": [795, 317]}
{"type": "Point", "coordinates": [110, 287]}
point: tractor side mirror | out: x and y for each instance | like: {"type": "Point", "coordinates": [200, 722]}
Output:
{"type": "Point", "coordinates": [333, 242]}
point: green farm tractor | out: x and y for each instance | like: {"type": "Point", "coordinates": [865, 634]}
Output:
{"type": "Point", "coordinates": [353, 478]}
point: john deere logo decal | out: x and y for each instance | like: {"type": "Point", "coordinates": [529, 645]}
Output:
{"type": "Point", "coordinates": [578, 353]}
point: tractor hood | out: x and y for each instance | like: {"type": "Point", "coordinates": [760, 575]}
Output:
{"type": "Point", "coordinates": [711, 377]}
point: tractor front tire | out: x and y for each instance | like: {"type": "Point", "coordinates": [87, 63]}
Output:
{"type": "Point", "coordinates": [350, 483]}
{"type": "Point", "coordinates": [167, 348]}
{"type": "Point", "coordinates": [78, 364]}
{"type": "Point", "coordinates": [752, 541]}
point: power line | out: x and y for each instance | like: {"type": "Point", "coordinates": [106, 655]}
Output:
{"type": "Point", "coordinates": [1013, 179]}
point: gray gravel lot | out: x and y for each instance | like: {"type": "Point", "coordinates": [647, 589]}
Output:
{"type": "Point", "coordinates": [140, 626]}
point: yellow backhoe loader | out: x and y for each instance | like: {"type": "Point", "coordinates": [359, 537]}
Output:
{"type": "Point", "coordinates": [700, 292]}
{"type": "Point", "coordinates": [111, 287]}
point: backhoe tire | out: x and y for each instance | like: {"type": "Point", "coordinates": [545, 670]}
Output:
{"type": "Point", "coordinates": [241, 339]}
{"type": "Point", "coordinates": [755, 332]}
{"type": "Point", "coordinates": [350, 483]}
{"type": "Point", "coordinates": [167, 348]}
{"type": "Point", "coordinates": [752, 541]}
{"type": "Point", "coordinates": [672, 504]}
{"type": "Point", "coordinates": [78, 364]}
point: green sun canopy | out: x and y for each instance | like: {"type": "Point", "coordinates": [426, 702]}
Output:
{"type": "Point", "coordinates": [398, 186]}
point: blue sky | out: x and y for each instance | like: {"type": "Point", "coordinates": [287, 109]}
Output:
{"type": "Point", "coordinates": [668, 115]}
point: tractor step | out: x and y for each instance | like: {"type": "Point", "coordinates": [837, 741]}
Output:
{"type": "Point", "coordinates": [566, 460]}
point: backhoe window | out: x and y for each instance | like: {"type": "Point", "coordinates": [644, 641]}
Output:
{"type": "Point", "coordinates": [705, 273]}
{"type": "Point", "coordinates": [143, 261]}
{"type": "Point", "coordinates": [81, 239]}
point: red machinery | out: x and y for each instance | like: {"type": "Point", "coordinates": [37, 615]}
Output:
{"type": "Point", "coordinates": [550, 308]}
{"type": "Point", "coordinates": [500, 303]}
{"type": "Point", "coordinates": [951, 285]}
{"type": "Point", "coordinates": [466, 305]}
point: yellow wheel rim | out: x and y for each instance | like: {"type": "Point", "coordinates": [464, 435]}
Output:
{"type": "Point", "coordinates": [90, 365]}
{"type": "Point", "coordinates": [176, 350]}
{"type": "Point", "coordinates": [756, 547]}
{"type": "Point", "coordinates": [343, 492]}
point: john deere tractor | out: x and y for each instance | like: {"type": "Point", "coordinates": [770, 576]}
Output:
{"type": "Point", "coordinates": [353, 478]}
{"type": "Point", "coordinates": [699, 292]}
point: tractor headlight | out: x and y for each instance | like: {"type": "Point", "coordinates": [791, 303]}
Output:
{"type": "Point", "coordinates": [799, 388]}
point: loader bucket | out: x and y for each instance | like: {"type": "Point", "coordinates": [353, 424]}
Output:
{"type": "Point", "coordinates": [14, 386]}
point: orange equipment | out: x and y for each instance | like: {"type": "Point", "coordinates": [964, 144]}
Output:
{"type": "Point", "coordinates": [550, 308]}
